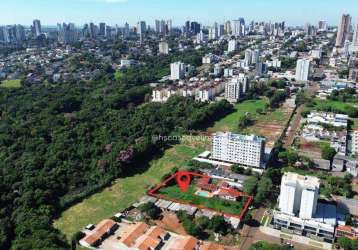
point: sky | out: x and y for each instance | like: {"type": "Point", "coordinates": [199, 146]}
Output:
{"type": "Point", "coordinates": [294, 12]}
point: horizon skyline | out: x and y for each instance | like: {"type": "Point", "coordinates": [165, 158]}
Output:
{"type": "Point", "coordinates": [118, 12]}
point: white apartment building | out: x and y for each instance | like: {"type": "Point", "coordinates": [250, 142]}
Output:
{"type": "Point", "coordinates": [248, 56]}
{"type": "Point", "coordinates": [354, 136]}
{"type": "Point", "coordinates": [299, 209]}
{"type": "Point", "coordinates": [210, 58]}
{"type": "Point", "coordinates": [163, 48]}
{"type": "Point", "coordinates": [255, 56]}
{"type": "Point", "coordinates": [236, 88]}
{"type": "Point", "coordinates": [299, 194]}
{"type": "Point", "coordinates": [232, 45]}
{"type": "Point", "coordinates": [303, 70]}
{"type": "Point", "coordinates": [275, 63]}
{"type": "Point", "coordinates": [179, 70]}
{"type": "Point", "coordinates": [205, 94]}
{"type": "Point", "coordinates": [238, 149]}
{"type": "Point", "coordinates": [163, 94]}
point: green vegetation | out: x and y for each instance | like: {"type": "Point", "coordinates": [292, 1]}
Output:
{"type": "Point", "coordinates": [328, 153]}
{"type": "Point", "coordinates": [61, 143]}
{"type": "Point", "coordinates": [337, 186]}
{"type": "Point", "coordinates": [263, 188]}
{"type": "Point", "coordinates": [263, 245]}
{"type": "Point", "coordinates": [215, 203]}
{"type": "Point", "coordinates": [231, 121]}
{"type": "Point", "coordinates": [11, 84]}
{"type": "Point", "coordinates": [151, 210]}
{"type": "Point", "coordinates": [118, 75]}
{"type": "Point", "coordinates": [332, 106]}
{"type": "Point", "coordinates": [126, 191]}
{"type": "Point", "coordinates": [330, 185]}
{"type": "Point", "coordinates": [346, 95]}
{"type": "Point", "coordinates": [347, 244]}
{"type": "Point", "coordinates": [202, 227]}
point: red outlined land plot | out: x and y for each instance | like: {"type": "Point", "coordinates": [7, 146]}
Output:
{"type": "Point", "coordinates": [204, 192]}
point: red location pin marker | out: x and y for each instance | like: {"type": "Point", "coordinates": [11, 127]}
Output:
{"type": "Point", "coordinates": [183, 180]}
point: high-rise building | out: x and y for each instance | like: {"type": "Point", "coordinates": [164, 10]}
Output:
{"type": "Point", "coordinates": [238, 27]}
{"type": "Point", "coordinates": [20, 33]}
{"type": "Point", "coordinates": [221, 30]}
{"type": "Point", "coordinates": [227, 27]}
{"type": "Point", "coordinates": [2, 34]}
{"type": "Point", "coordinates": [200, 37]}
{"type": "Point", "coordinates": [177, 71]}
{"type": "Point", "coordinates": [126, 30]}
{"type": "Point", "coordinates": [169, 25]}
{"type": "Point", "coordinates": [163, 48]}
{"type": "Point", "coordinates": [239, 149]}
{"type": "Point", "coordinates": [248, 56]}
{"type": "Point", "coordinates": [93, 30]}
{"type": "Point", "coordinates": [322, 25]}
{"type": "Point", "coordinates": [255, 56]}
{"type": "Point", "coordinates": [141, 28]}
{"type": "Point", "coordinates": [299, 195]}
{"type": "Point", "coordinates": [7, 34]}
{"type": "Point", "coordinates": [187, 27]}
{"type": "Point", "coordinates": [157, 26]}
{"type": "Point", "coordinates": [66, 33]}
{"type": "Point", "coordinates": [109, 32]}
{"type": "Point", "coordinates": [232, 46]}
{"type": "Point", "coordinates": [102, 29]}
{"type": "Point", "coordinates": [236, 88]}
{"type": "Point", "coordinates": [37, 27]}
{"type": "Point", "coordinates": [160, 27]}
{"type": "Point", "coordinates": [195, 28]}
{"type": "Point", "coordinates": [303, 69]}
{"type": "Point", "coordinates": [213, 32]}
{"type": "Point", "coordinates": [343, 30]}
{"type": "Point", "coordinates": [355, 35]}
{"type": "Point", "coordinates": [299, 209]}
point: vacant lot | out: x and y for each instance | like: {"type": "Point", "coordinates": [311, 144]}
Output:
{"type": "Point", "coordinates": [125, 191]}
{"type": "Point", "coordinates": [310, 149]}
{"type": "Point", "coordinates": [11, 83]}
{"type": "Point", "coordinates": [230, 122]}
{"type": "Point", "coordinates": [269, 124]}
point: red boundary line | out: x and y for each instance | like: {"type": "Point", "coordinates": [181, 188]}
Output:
{"type": "Point", "coordinates": [153, 193]}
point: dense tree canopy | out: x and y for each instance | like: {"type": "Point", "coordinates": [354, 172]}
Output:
{"type": "Point", "coordinates": [60, 143]}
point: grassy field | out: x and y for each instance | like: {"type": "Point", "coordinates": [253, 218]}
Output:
{"type": "Point", "coordinates": [126, 191]}
{"type": "Point", "coordinates": [215, 203]}
{"type": "Point", "coordinates": [11, 83]}
{"type": "Point", "coordinates": [333, 104]}
{"type": "Point", "coordinates": [230, 122]}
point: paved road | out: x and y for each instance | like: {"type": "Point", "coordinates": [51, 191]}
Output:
{"type": "Point", "coordinates": [294, 126]}
{"type": "Point", "coordinates": [248, 233]}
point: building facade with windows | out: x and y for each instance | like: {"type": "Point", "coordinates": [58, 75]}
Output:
{"type": "Point", "coordinates": [299, 211]}
{"type": "Point", "coordinates": [239, 149]}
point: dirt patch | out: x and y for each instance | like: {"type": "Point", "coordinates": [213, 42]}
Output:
{"type": "Point", "coordinates": [309, 149]}
{"type": "Point", "coordinates": [271, 131]}
{"type": "Point", "coordinates": [171, 223]}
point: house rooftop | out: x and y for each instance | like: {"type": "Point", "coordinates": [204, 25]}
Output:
{"type": "Point", "coordinates": [102, 228]}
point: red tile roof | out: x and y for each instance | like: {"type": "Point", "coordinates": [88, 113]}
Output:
{"type": "Point", "coordinates": [229, 192]}
{"type": "Point", "coordinates": [186, 243]}
{"type": "Point", "coordinates": [211, 246]}
{"type": "Point", "coordinates": [102, 228]}
{"type": "Point", "coordinates": [133, 233]}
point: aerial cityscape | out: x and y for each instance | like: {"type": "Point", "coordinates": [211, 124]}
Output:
{"type": "Point", "coordinates": [159, 125]}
